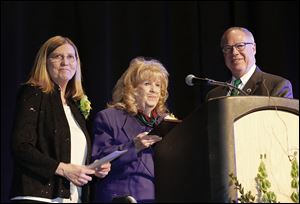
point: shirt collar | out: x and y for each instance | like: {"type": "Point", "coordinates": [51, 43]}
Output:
{"type": "Point", "coordinates": [246, 77]}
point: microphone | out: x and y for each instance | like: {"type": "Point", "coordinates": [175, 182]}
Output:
{"type": "Point", "coordinates": [191, 80]}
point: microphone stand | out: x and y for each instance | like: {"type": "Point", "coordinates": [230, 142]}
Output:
{"type": "Point", "coordinates": [219, 83]}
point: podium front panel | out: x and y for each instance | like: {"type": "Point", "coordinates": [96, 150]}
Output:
{"type": "Point", "coordinates": [274, 136]}
{"type": "Point", "coordinates": [194, 160]}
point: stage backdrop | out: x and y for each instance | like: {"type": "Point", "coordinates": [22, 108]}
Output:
{"type": "Point", "coordinates": [184, 36]}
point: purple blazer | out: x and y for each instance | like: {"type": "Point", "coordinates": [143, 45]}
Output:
{"type": "Point", "coordinates": [132, 173]}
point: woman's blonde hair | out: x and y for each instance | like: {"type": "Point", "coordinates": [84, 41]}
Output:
{"type": "Point", "coordinates": [40, 77]}
{"type": "Point", "coordinates": [140, 69]}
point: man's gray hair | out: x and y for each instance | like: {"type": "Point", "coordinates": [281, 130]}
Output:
{"type": "Point", "coordinates": [244, 30]}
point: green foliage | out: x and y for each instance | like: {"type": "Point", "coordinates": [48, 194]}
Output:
{"type": "Point", "coordinates": [244, 198]}
{"type": "Point", "coordinates": [295, 179]}
{"type": "Point", "coordinates": [264, 185]}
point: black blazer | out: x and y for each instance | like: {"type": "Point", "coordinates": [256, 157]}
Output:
{"type": "Point", "coordinates": [41, 139]}
{"type": "Point", "coordinates": [260, 84]}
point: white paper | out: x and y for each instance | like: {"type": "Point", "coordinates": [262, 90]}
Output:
{"type": "Point", "coordinates": [98, 162]}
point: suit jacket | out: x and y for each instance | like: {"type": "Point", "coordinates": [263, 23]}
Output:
{"type": "Point", "coordinates": [41, 139]}
{"type": "Point", "coordinates": [260, 84]}
{"type": "Point", "coordinates": [132, 173]}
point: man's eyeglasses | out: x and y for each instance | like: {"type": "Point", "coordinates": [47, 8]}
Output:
{"type": "Point", "coordinates": [60, 57]}
{"type": "Point", "coordinates": [239, 46]}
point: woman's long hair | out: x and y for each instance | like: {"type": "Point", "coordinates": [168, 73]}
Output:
{"type": "Point", "coordinates": [40, 77]}
{"type": "Point", "coordinates": [140, 69]}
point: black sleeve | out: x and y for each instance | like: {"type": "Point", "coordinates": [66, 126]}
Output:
{"type": "Point", "coordinates": [25, 134]}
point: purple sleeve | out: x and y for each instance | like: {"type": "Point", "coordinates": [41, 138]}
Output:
{"type": "Point", "coordinates": [109, 137]}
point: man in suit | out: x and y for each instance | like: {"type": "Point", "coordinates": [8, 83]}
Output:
{"type": "Point", "coordinates": [239, 49]}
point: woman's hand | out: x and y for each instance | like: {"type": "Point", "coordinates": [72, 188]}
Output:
{"type": "Point", "coordinates": [143, 140]}
{"type": "Point", "coordinates": [78, 175]}
{"type": "Point", "coordinates": [103, 170]}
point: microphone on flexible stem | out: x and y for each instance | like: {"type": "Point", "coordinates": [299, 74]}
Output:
{"type": "Point", "coordinates": [191, 80]}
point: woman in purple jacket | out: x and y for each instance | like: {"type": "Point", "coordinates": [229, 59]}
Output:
{"type": "Point", "coordinates": [138, 104]}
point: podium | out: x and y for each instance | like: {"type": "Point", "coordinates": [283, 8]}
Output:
{"type": "Point", "coordinates": [227, 135]}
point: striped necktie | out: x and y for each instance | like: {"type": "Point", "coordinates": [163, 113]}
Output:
{"type": "Point", "coordinates": [236, 83]}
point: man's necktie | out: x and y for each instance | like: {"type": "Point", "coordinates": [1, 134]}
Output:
{"type": "Point", "coordinates": [236, 83]}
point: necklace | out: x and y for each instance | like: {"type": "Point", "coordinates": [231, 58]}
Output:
{"type": "Point", "coordinates": [148, 121]}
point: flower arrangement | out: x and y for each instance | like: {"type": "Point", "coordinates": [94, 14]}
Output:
{"type": "Point", "coordinates": [85, 106]}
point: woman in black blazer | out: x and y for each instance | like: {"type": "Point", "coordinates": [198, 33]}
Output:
{"type": "Point", "coordinates": [51, 145]}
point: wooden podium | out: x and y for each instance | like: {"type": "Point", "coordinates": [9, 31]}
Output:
{"type": "Point", "coordinates": [227, 135]}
